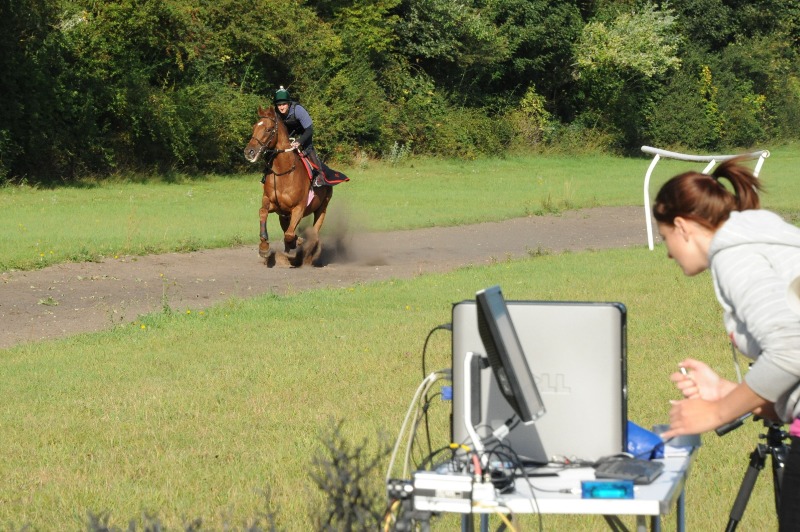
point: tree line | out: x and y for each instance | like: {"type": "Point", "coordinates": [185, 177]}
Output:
{"type": "Point", "coordinates": [92, 87]}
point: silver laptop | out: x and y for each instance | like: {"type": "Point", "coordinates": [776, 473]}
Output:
{"type": "Point", "coordinates": [577, 353]}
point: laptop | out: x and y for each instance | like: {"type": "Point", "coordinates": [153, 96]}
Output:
{"type": "Point", "coordinates": [577, 354]}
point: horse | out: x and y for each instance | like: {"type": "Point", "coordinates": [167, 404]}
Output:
{"type": "Point", "coordinates": [287, 189]}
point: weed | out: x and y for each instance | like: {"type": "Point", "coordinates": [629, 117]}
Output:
{"type": "Point", "coordinates": [398, 152]}
{"type": "Point", "coordinates": [346, 473]}
{"type": "Point", "coordinates": [538, 252]}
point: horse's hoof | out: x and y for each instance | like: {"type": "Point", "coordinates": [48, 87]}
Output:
{"type": "Point", "coordinates": [263, 250]}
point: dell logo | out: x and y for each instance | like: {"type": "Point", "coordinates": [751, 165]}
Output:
{"type": "Point", "coordinates": [553, 384]}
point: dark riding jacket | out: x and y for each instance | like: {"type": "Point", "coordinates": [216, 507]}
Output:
{"type": "Point", "coordinates": [298, 123]}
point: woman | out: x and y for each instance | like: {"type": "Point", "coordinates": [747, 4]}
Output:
{"type": "Point", "coordinates": [300, 127]}
{"type": "Point", "coordinates": [753, 255]}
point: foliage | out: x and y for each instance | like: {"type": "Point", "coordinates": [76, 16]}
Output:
{"type": "Point", "coordinates": [741, 97]}
{"type": "Point", "coordinates": [99, 88]}
{"type": "Point", "coordinates": [621, 63]}
{"type": "Point", "coordinates": [641, 42]}
{"type": "Point", "coordinates": [531, 121]}
{"type": "Point", "coordinates": [348, 475]}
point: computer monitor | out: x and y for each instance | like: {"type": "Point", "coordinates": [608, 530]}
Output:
{"type": "Point", "coordinates": [506, 356]}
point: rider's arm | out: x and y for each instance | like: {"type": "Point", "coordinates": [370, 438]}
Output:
{"type": "Point", "coordinates": [305, 121]}
{"type": "Point", "coordinates": [305, 138]}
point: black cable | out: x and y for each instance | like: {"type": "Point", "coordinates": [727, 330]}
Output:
{"type": "Point", "coordinates": [530, 485]}
{"type": "Point", "coordinates": [442, 327]}
{"type": "Point", "coordinates": [429, 459]}
{"type": "Point", "coordinates": [424, 415]}
{"type": "Point", "coordinates": [425, 408]}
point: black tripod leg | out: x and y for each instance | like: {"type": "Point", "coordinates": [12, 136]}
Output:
{"type": "Point", "coordinates": [780, 453]}
{"type": "Point", "coordinates": [757, 460]}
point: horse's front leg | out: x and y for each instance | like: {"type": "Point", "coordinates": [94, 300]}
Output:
{"type": "Point", "coordinates": [263, 246]}
{"type": "Point", "coordinates": [290, 230]}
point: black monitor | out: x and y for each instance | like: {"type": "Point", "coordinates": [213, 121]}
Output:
{"type": "Point", "coordinates": [506, 357]}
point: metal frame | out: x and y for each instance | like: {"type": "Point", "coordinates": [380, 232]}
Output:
{"type": "Point", "coordinates": [712, 160]}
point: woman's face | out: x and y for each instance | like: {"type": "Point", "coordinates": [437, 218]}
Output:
{"type": "Point", "coordinates": [687, 244]}
{"type": "Point", "coordinates": [283, 107]}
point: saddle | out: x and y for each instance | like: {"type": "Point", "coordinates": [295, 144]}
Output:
{"type": "Point", "coordinates": [329, 175]}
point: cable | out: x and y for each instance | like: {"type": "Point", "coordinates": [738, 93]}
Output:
{"type": "Point", "coordinates": [389, 513]}
{"type": "Point", "coordinates": [412, 435]}
{"type": "Point", "coordinates": [442, 327]}
{"type": "Point", "coordinates": [422, 390]}
{"type": "Point", "coordinates": [425, 408]}
{"type": "Point", "coordinates": [507, 521]}
{"type": "Point", "coordinates": [535, 503]}
{"type": "Point", "coordinates": [414, 400]}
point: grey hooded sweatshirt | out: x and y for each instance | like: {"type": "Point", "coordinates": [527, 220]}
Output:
{"type": "Point", "coordinates": [753, 257]}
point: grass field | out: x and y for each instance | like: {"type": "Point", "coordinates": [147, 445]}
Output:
{"type": "Point", "coordinates": [42, 227]}
{"type": "Point", "coordinates": [197, 415]}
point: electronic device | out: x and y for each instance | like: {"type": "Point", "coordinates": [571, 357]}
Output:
{"type": "Point", "coordinates": [633, 469]}
{"type": "Point", "coordinates": [442, 493]}
{"type": "Point", "coordinates": [577, 353]}
{"type": "Point", "coordinates": [506, 356]}
{"type": "Point", "coordinates": [605, 489]}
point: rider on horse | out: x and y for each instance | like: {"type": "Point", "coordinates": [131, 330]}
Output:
{"type": "Point", "coordinates": [298, 123]}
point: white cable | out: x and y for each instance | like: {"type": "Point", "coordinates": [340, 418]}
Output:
{"type": "Point", "coordinates": [413, 433]}
{"type": "Point", "coordinates": [423, 385]}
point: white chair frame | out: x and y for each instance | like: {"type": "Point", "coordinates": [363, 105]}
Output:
{"type": "Point", "coordinates": [712, 160]}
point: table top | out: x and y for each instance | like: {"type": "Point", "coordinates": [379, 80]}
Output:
{"type": "Point", "coordinates": [542, 494]}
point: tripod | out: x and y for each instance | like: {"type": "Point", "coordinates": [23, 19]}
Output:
{"type": "Point", "coordinates": [776, 447]}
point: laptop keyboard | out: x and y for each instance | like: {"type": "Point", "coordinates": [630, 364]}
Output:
{"type": "Point", "coordinates": [639, 471]}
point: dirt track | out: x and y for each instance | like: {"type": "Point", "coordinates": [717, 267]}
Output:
{"type": "Point", "coordinates": [74, 298]}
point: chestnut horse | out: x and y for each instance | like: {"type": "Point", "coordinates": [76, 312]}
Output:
{"type": "Point", "coordinates": [287, 187]}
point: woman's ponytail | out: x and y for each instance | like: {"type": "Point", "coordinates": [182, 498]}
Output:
{"type": "Point", "coordinates": [745, 184]}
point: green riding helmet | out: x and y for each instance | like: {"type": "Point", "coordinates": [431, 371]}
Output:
{"type": "Point", "coordinates": [282, 96]}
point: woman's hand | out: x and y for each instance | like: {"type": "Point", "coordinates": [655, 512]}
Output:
{"type": "Point", "coordinates": [699, 381]}
{"type": "Point", "coordinates": [697, 415]}
{"type": "Point", "coordinates": [692, 416]}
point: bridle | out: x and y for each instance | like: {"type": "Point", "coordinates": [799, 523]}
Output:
{"type": "Point", "coordinates": [264, 145]}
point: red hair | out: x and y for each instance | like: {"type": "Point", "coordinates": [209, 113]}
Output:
{"type": "Point", "coordinates": [703, 199]}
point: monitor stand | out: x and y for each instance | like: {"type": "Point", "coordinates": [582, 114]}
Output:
{"type": "Point", "coordinates": [477, 444]}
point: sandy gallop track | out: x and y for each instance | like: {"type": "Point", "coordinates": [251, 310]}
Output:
{"type": "Point", "coordinates": [72, 298]}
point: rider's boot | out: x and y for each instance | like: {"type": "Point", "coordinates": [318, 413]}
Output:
{"type": "Point", "coordinates": [319, 181]}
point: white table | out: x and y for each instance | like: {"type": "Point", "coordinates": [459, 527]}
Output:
{"type": "Point", "coordinates": [651, 500]}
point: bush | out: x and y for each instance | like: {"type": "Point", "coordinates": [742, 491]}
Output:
{"type": "Point", "coordinates": [531, 122]}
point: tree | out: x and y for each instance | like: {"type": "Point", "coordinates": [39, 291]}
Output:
{"type": "Point", "coordinates": [621, 63]}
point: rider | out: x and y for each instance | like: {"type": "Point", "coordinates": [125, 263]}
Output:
{"type": "Point", "coordinates": [298, 123]}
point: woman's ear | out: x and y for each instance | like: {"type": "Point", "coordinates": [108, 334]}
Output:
{"type": "Point", "coordinates": [683, 227]}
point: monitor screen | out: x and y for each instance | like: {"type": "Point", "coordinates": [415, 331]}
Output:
{"type": "Point", "coordinates": [506, 357]}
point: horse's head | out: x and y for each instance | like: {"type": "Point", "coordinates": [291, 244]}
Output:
{"type": "Point", "coordinates": [265, 135]}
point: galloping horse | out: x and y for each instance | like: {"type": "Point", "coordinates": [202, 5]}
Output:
{"type": "Point", "coordinates": [287, 185]}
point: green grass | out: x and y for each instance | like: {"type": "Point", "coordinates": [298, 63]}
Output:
{"type": "Point", "coordinates": [97, 221]}
{"type": "Point", "coordinates": [197, 414]}
{"type": "Point", "coordinates": [194, 414]}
